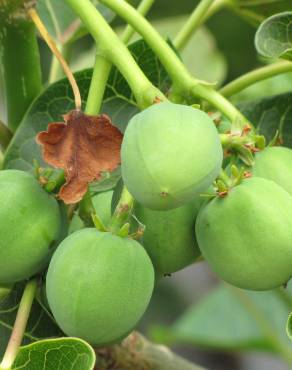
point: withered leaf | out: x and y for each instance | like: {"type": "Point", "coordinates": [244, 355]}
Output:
{"type": "Point", "coordinates": [84, 146]}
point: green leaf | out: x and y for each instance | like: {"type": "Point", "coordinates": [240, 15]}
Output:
{"type": "Point", "coordinates": [289, 326]}
{"type": "Point", "coordinates": [40, 325]}
{"type": "Point", "coordinates": [274, 37]}
{"type": "Point", "coordinates": [57, 100]}
{"type": "Point", "coordinates": [227, 318]}
{"type": "Point", "coordinates": [61, 21]}
{"type": "Point", "coordinates": [53, 354]}
{"type": "Point", "coordinates": [255, 11]}
{"type": "Point", "coordinates": [270, 115]}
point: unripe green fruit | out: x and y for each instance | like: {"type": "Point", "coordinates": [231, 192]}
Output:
{"type": "Point", "coordinates": [246, 237]}
{"type": "Point", "coordinates": [169, 236]}
{"type": "Point", "coordinates": [30, 223]}
{"type": "Point", "coordinates": [99, 285]}
{"type": "Point", "coordinates": [170, 153]}
{"type": "Point", "coordinates": [275, 163]}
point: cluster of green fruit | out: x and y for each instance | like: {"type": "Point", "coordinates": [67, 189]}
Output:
{"type": "Point", "coordinates": [99, 284]}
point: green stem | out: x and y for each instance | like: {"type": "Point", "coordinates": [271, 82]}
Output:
{"type": "Point", "coordinates": [192, 24]}
{"type": "Point", "coordinates": [220, 102]}
{"type": "Point", "coordinates": [264, 325]}
{"type": "Point", "coordinates": [99, 79]}
{"type": "Point", "coordinates": [175, 68]}
{"type": "Point", "coordinates": [21, 67]}
{"type": "Point", "coordinates": [116, 52]}
{"type": "Point", "coordinates": [142, 9]}
{"type": "Point", "coordinates": [122, 211]}
{"type": "Point", "coordinates": [255, 76]}
{"type": "Point", "coordinates": [183, 83]}
{"type": "Point", "coordinates": [20, 325]}
{"type": "Point", "coordinates": [5, 135]}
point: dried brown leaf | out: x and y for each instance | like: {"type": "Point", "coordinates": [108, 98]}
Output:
{"type": "Point", "coordinates": [84, 146]}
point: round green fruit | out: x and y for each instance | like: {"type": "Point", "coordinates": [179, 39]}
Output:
{"type": "Point", "coordinates": [30, 223]}
{"type": "Point", "coordinates": [170, 153]}
{"type": "Point", "coordinates": [99, 285]}
{"type": "Point", "coordinates": [246, 237]}
{"type": "Point", "coordinates": [275, 163]}
{"type": "Point", "coordinates": [169, 236]}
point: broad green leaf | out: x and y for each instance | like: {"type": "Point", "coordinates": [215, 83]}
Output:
{"type": "Point", "coordinates": [57, 99]}
{"type": "Point", "coordinates": [289, 326]}
{"type": "Point", "coordinates": [40, 324]}
{"type": "Point", "coordinates": [270, 115]}
{"type": "Point", "coordinates": [228, 319]}
{"type": "Point", "coordinates": [255, 11]}
{"type": "Point", "coordinates": [61, 21]}
{"type": "Point", "coordinates": [53, 354]}
{"type": "Point", "coordinates": [274, 37]}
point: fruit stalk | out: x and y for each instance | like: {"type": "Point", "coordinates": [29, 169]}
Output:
{"type": "Point", "coordinates": [255, 76]}
{"type": "Point", "coordinates": [20, 61]}
{"type": "Point", "coordinates": [20, 324]}
{"type": "Point", "coordinates": [116, 52]}
{"type": "Point", "coordinates": [193, 23]}
{"type": "Point", "coordinates": [122, 211]}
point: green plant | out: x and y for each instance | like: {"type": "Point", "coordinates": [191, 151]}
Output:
{"type": "Point", "coordinates": [158, 153]}
{"type": "Point", "coordinates": [84, 300]}
{"type": "Point", "coordinates": [27, 248]}
{"type": "Point", "coordinates": [169, 236]}
{"type": "Point", "coordinates": [142, 132]}
{"type": "Point", "coordinates": [234, 234]}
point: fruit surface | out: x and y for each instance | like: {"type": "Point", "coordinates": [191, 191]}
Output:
{"type": "Point", "coordinates": [29, 225]}
{"type": "Point", "coordinates": [170, 153]}
{"type": "Point", "coordinates": [275, 163]}
{"type": "Point", "coordinates": [169, 236]}
{"type": "Point", "coordinates": [99, 285]}
{"type": "Point", "coordinates": [246, 237]}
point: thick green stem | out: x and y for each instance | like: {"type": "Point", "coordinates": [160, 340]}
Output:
{"type": "Point", "coordinates": [175, 68]}
{"type": "Point", "coordinates": [183, 83]}
{"type": "Point", "coordinates": [192, 24]}
{"type": "Point", "coordinates": [20, 325]}
{"type": "Point", "coordinates": [5, 135]}
{"type": "Point", "coordinates": [20, 66]}
{"type": "Point", "coordinates": [116, 52]}
{"type": "Point", "coordinates": [255, 76]}
{"type": "Point", "coordinates": [219, 102]}
{"type": "Point", "coordinates": [143, 9]}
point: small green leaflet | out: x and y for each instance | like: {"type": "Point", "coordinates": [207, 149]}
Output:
{"type": "Point", "coordinates": [274, 37]}
{"type": "Point", "coordinates": [56, 354]}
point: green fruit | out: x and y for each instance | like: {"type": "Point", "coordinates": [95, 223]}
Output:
{"type": "Point", "coordinates": [102, 205]}
{"type": "Point", "coordinates": [169, 236]}
{"type": "Point", "coordinates": [99, 285]}
{"type": "Point", "coordinates": [170, 153]}
{"type": "Point", "coordinates": [246, 237]}
{"type": "Point", "coordinates": [275, 163]}
{"type": "Point", "coordinates": [30, 223]}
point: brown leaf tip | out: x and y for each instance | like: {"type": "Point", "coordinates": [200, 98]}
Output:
{"type": "Point", "coordinates": [84, 146]}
